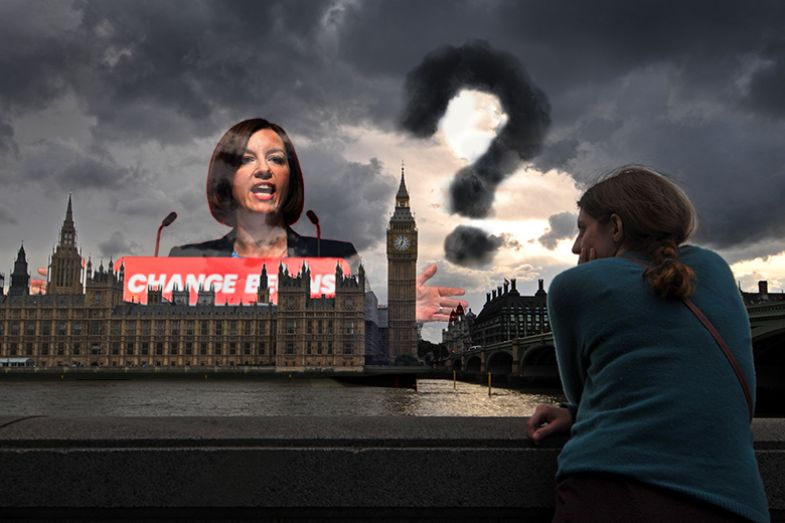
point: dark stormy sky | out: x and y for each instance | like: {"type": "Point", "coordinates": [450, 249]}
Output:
{"type": "Point", "coordinates": [121, 102]}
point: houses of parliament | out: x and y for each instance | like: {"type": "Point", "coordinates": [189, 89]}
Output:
{"type": "Point", "coordinates": [82, 319]}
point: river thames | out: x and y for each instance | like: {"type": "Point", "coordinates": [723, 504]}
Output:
{"type": "Point", "coordinates": [297, 397]}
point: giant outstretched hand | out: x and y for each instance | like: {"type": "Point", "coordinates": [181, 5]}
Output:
{"type": "Point", "coordinates": [434, 303]}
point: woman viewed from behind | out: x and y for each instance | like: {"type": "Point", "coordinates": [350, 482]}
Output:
{"type": "Point", "coordinates": [659, 421]}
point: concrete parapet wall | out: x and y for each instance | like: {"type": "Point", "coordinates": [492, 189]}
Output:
{"type": "Point", "coordinates": [287, 469]}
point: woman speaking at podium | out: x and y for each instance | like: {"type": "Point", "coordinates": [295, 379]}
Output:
{"type": "Point", "coordinates": [255, 186]}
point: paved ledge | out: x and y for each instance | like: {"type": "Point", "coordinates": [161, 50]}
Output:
{"type": "Point", "coordinates": [294, 469]}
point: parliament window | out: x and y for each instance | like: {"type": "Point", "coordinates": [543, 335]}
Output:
{"type": "Point", "coordinates": [46, 328]}
{"type": "Point", "coordinates": [145, 348]}
{"type": "Point", "coordinates": [348, 348]}
{"type": "Point", "coordinates": [219, 328]}
{"type": "Point", "coordinates": [115, 348]}
{"type": "Point", "coordinates": [45, 349]}
{"type": "Point", "coordinates": [14, 328]}
{"type": "Point", "coordinates": [349, 327]}
{"type": "Point", "coordinates": [289, 347]}
{"type": "Point", "coordinates": [145, 328]}
{"type": "Point", "coordinates": [248, 327]}
{"type": "Point", "coordinates": [159, 348]}
{"type": "Point", "coordinates": [29, 327]}
{"type": "Point", "coordinates": [189, 348]}
{"type": "Point", "coordinates": [203, 348]}
{"type": "Point", "coordinates": [247, 348]}
{"type": "Point", "coordinates": [291, 327]}
{"type": "Point", "coordinates": [129, 348]}
{"type": "Point", "coordinates": [61, 328]}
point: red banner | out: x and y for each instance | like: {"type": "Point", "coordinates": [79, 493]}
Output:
{"type": "Point", "coordinates": [234, 280]}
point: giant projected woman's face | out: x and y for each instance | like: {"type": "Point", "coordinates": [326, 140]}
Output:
{"type": "Point", "coordinates": [261, 182]}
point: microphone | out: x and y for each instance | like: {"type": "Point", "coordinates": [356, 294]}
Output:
{"type": "Point", "coordinates": [172, 216]}
{"type": "Point", "coordinates": [315, 220]}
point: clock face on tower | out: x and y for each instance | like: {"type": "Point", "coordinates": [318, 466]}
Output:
{"type": "Point", "coordinates": [401, 242]}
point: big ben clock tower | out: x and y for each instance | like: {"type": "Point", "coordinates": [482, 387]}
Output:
{"type": "Point", "coordinates": [402, 276]}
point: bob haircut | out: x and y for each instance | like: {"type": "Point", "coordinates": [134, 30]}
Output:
{"type": "Point", "coordinates": [226, 160]}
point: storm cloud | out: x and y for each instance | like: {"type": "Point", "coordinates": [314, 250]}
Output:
{"type": "Point", "coordinates": [560, 226]}
{"type": "Point", "coordinates": [346, 196]}
{"type": "Point", "coordinates": [471, 247]}
{"type": "Point", "coordinates": [7, 217]}
{"type": "Point", "coordinates": [692, 90]}
{"type": "Point", "coordinates": [7, 142]}
{"type": "Point", "coordinates": [118, 245]}
{"type": "Point", "coordinates": [439, 77]}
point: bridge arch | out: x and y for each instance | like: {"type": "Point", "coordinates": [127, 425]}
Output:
{"type": "Point", "coordinates": [543, 354]}
{"type": "Point", "coordinates": [500, 362]}
{"type": "Point", "coordinates": [474, 364]}
{"type": "Point", "coordinates": [769, 349]}
{"type": "Point", "coordinates": [539, 362]}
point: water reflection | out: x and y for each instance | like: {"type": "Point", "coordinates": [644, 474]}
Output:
{"type": "Point", "coordinates": [297, 397]}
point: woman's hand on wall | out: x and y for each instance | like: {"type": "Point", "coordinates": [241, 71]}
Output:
{"type": "Point", "coordinates": [548, 420]}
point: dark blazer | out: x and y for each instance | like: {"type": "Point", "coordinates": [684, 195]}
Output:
{"type": "Point", "coordinates": [298, 246]}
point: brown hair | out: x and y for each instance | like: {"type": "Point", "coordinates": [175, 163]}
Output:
{"type": "Point", "coordinates": [226, 159]}
{"type": "Point", "coordinates": [656, 218]}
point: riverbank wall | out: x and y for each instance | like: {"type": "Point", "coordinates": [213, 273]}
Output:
{"type": "Point", "coordinates": [295, 469]}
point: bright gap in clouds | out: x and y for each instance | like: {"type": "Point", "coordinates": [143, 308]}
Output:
{"type": "Point", "coordinates": [471, 122]}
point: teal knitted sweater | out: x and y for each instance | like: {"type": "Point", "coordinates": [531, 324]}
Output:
{"type": "Point", "coordinates": [656, 399]}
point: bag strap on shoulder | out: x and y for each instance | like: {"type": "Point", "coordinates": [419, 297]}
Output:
{"type": "Point", "coordinates": [698, 313]}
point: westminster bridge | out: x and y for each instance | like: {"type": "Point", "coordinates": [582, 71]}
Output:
{"type": "Point", "coordinates": [534, 357]}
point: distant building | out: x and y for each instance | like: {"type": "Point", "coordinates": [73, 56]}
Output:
{"type": "Point", "coordinates": [457, 337]}
{"type": "Point", "coordinates": [375, 331]}
{"type": "Point", "coordinates": [507, 315]}
{"type": "Point", "coordinates": [83, 321]}
{"type": "Point", "coordinates": [402, 276]}
{"type": "Point", "coordinates": [762, 296]}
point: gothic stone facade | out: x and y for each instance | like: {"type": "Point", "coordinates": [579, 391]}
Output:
{"type": "Point", "coordinates": [92, 326]}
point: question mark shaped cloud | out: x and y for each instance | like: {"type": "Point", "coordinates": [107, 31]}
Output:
{"type": "Point", "coordinates": [429, 88]}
